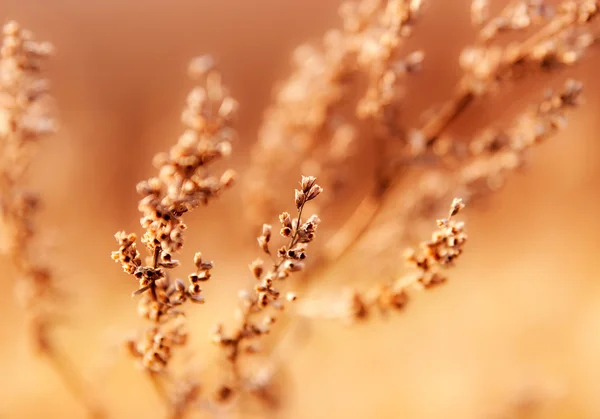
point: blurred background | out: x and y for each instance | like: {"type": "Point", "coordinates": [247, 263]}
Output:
{"type": "Point", "coordinates": [516, 331]}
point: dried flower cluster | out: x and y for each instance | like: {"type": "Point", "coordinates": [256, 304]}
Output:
{"type": "Point", "coordinates": [26, 117]}
{"type": "Point", "coordinates": [556, 37]}
{"type": "Point", "coordinates": [253, 317]}
{"type": "Point", "coordinates": [24, 120]}
{"type": "Point", "coordinates": [485, 164]}
{"type": "Point", "coordinates": [428, 263]}
{"type": "Point", "coordinates": [404, 194]}
{"type": "Point", "coordinates": [560, 37]}
{"type": "Point", "coordinates": [438, 253]}
{"type": "Point", "coordinates": [310, 125]}
{"type": "Point", "coordinates": [498, 152]}
{"type": "Point", "coordinates": [182, 184]}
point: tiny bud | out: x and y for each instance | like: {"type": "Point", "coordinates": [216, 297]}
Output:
{"type": "Point", "coordinates": [198, 260]}
{"type": "Point", "coordinates": [224, 394]}
{"type": "Point", "coordinates": [457, 205]}
{"type": "Point", "coordinates": [290, 296]}
{"type": "Point", "coordinates": [263, 244]}
{"type": "Point", "coordinates": [290, 266]}
{"type": "Point", "coordinates": [314, 220]}
{"type": "Point", "coordinates": [199, 66]}
{"type": "Point", "coordinates": [207, 266]}
{"type": "Point", "coordinates": [266, 232]}
{"type": "Point", "coordinates": [256, 267]}
{"type": "Point", "coordinates": [197, 298]}
{"type": "Point", "coordinates": [169, 265]}
{"type": "Point", "coordinates": [228, 109]}
{"type": "Point", "coordinates": [314, 192]}
{"type": "Point", "coordinates": [307, 183]}
{"type": "Point", "coordinates": [263, 299]}
{"type": "Point", "coordinates": [11, 28]}
{"type": "Point", "coordinates": [282, 251]}
{"type": "Point", "coordinates": [300, 198]}
{"type": "Point", "coordinates": [179, 285]}
{"type": "Point", "coordinates": [228, 178]}
{"type": "Point", "coordinates": [204, 276]}
{"type": "Point", "coordinates": [285, 220]}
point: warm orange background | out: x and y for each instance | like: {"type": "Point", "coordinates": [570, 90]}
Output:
{"type": "Point", "coordinates": [519, 321]}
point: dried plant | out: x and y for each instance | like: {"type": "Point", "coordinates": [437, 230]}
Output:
{"type": "Point", "coordinates": [183, 183]}
{"type": "Point", "coordinates": [429, 157]}
{"type": "Point", "coordinates": [25, 119]}
{"type": "Point", "coordinates": [363, 64]}
{"type": "Point", "coordinates": [558, 39]}
{"type": "Point", "coordinates": [440, 252]}
{"type": "Point", "coordinates": [428, 262]}
{"type": "Point", "coordinates": [253, 317]}
{"type": "Point", "coordinates": [340, 115]}
{"type": "Point", "coordinates": [370, 43]}
{"type": "Point", "coordinates": [491, 157]}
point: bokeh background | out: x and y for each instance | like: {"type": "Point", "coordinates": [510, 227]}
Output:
{"type": "Point", "coordinates": [515, 333]}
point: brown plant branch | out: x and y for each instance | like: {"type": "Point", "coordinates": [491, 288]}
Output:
{"type": "Point", "coordinates": [572, 14]}
{"type": "Point", "coordinates": [182, 184]}
{"type": "Point", "coordinates": [290, 259]}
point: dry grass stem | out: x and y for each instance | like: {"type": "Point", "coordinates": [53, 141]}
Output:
{"type": "Point", "coordinates": [429, 262]}
{"type": "Point", "coordinates": [254, 318]}
{"type": "Point", "coordinates": [557, 40]}
{"type": "Point", "coordinates": [311, 124]}
{"type": "Point", "coordinates": [183, 183]}
{"type": "Point", "coordinates": [25, 119]}
{"type": "Point", "coordinates": [552, 41]}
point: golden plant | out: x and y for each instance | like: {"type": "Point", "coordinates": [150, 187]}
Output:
{"type": "Point", "coordinates": [25, 119]}
{"type": "Point", "coordinates": [338, 116]}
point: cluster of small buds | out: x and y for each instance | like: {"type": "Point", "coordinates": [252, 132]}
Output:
{"type": "Point", "coordinates": [25, 118]}
{"type": "Point", "coordinates": [561, 39]}
{"type": "Point", "coordinates": [379, 56]}
{"type": "Point", "coordinates": [24, 111]}
{"type": "Point", "coordinates": [496, 153]}
{"type": "Point", "coordinates": [555, 39]}
{"type": "Point", "coordinates": [310, 114]}
{"type": "Point", "coordinates": [161, 304]}
{"type": "Point", "coordinates": [564, 33]}
{"type": "Point", "coordinates": [480, 11]}
{"type": "Point", "coordinates": [484, 166]}
{"type": "Point", "coordinates": [526, 13]}
{"type": "Point", "coordinates": [517, 15]}
{"type": "Point", "coordinates": [127, 255]}
{"type": "Point", "coordinates": [182, 184]}
{"type": "Point", "coordinates": [154, 349]}
{"type": "Point", "coordinates": [445, 246]}
{"type": "Point", "coordinates": [289, 260]}
{"type": "Point", "coordinates": [438, 253]}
